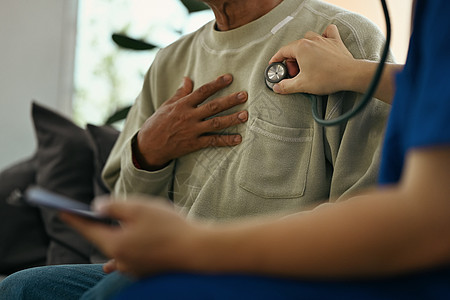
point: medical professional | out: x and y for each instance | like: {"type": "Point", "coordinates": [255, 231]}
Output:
{"type": "Point", "coordinates": [390, 243]}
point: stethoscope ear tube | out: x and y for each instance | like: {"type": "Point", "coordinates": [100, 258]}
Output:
{"type": "Point", "coordinates": [371, 89]}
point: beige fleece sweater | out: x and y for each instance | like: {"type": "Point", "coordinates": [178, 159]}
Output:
{"type": "Point", "coordinates": [286, 162]}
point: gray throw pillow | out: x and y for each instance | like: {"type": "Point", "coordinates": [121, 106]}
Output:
{"type": "Point", "coordinates": [65, 165]}
{"type": "Point", "coordinates": [102, 139]}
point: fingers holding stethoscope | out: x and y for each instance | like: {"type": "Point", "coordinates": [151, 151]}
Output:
{"type": "Point", "coordinates": [313, 63]}
{"type": "Point", "coordinates": [293, 49]}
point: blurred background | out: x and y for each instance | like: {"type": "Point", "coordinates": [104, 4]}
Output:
{"type": "Point", "coordinates": [61, 54]}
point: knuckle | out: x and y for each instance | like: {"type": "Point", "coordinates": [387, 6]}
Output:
{"type": "Point", "coordinates": [204, 89]}
{"type": "Point", "coordinates": [212, 107]}
{"type": "Point", "coordinates": [179, 93]}
{"type": "Point", "coordinates": [282, 86]}
{"type": "Point", "coordinates": [317, 38]}
{"type": "Point", "coordinates": [302, 42]}
{"type": "Point", "coordinates": [233, 99]}
{"type": "Point", "coordinates": [227, 140]}
{"type": "Point", "coordinates": [230, 120]}
{"type": "Point", "coordinates": [305, 43]}
{"type": "Point", "coordinates": [213, 141]}
{"type": "Point", "coordinates": [215, 123]}
{"type": "Point", "coordinates": [231, 140]}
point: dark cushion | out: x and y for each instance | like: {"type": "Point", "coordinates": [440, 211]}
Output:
{"type": "Point", "coordinates": [102, 140]}
{"type": "Point", "coordinates": [23, 240]}
{"type": "Point", "coordinates": [65, 165]}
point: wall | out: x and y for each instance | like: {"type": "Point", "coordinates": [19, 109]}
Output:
{"type": "Point", "coordinates": [400, 13]}
{"type": "Point", "coordinates": [37, 42]}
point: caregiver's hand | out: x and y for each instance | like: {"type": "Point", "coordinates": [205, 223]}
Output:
{"type": "Point", "coordinates": [321, 64]}
{"type": "Point", "coordinates": [152, 237]}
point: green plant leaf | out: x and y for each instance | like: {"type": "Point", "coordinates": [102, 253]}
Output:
{"type": "Point", "coordinates": [119, 115]}
{"type": "Point", "coordinates": [127, 42]}
{"type": "Point", "coordinates": [194, 5]}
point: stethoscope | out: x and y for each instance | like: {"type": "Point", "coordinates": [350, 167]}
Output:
{"type": "Point", "coordinates": [276, 72]}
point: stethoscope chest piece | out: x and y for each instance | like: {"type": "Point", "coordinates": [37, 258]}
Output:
{"type": "Point", "coordinates": [274, 73]}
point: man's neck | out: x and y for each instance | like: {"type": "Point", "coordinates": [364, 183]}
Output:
{"type": "Point", "coordinates": [231, 14]}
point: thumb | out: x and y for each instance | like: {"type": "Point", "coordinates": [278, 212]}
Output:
{"type": "Point", "coordinates": [289, 86]}
{"type": "Point", "coordinates": [127, 211]}
{"type": "Point", "coordinates": [331, 32]}
{"type": "Point", "coordinates": [109, 266]}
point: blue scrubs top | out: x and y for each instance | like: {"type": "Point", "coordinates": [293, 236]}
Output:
{"type": "Point", "coordinates": [420, 114]}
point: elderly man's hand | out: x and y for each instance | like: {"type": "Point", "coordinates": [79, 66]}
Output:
{"type": "Point", "coordinates": [181, 125]}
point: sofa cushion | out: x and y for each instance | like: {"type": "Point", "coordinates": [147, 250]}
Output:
{"type": "Point", "coordinates": [24, 241]}
{"type": "Point", "coordinates": [65, 165]}
{"type": "Point", "coordinates": [102, 139]}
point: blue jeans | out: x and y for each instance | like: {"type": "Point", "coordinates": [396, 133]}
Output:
{"type": "Point", "coordinates": [62, 282]}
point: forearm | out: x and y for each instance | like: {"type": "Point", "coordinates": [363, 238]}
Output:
{"type": "Point", "coordinates": [383, 233]}
{"type": "Point", "coordinates": [389, 231]}
{"type": "Point", "coordinates": [360, 75]}
{"type": "Point", "coordinates": [315, 244]}
{"type": "Point", "coordinates": [365, 236]}
{"type": "Point", "coordinates": [354, 238]}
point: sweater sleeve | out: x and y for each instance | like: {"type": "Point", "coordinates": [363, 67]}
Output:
{"type": "Point", "coordinates": [354, 147]}
{"type": "Point", "coordinates": [119, 173]}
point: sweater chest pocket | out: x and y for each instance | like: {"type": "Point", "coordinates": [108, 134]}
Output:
{"type": "Point", "coordinates": [275, 160]}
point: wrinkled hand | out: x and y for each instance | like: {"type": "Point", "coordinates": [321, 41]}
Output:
{"type": "Point", "coordinates": [181, 125]}
{"type": "Point", "coordinates": [150, 239]}
{"type": "Point", "coordinates": [320, 64]}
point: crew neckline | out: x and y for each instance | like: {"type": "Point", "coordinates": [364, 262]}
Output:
{"type": "Point", "coordinates": [253, 32]}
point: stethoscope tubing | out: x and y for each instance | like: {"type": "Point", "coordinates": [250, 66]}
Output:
{"type": "Point", "coordinates": [370, 90]}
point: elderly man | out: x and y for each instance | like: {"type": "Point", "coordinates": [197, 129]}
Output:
{"type": "Point", "coordinates": [231, 148]}
{"type": "Point", "coordinates": [275, 159]}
